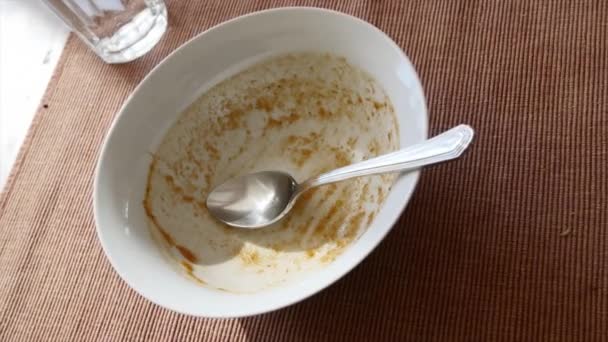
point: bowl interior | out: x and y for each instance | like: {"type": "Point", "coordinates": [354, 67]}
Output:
{"type": "Point", "coordinates": [195, 67]}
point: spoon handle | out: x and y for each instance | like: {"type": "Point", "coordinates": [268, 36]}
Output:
{"type": "Point", "coordinates": [446, 146]}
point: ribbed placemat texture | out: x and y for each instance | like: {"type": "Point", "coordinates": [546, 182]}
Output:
{"type": "Point", "coordinates": [510, 242]}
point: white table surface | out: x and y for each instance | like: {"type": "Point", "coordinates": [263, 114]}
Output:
{"type": "Point", "coordinates": [31, 41]}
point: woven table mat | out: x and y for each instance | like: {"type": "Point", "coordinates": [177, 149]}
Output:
{"type": "Point", "coordinates": [510, 242]}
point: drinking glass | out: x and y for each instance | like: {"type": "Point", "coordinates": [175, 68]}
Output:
{"type": "Point", "coordinates": [117, 30]}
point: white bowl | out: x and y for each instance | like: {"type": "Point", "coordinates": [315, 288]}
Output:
{"type": "Point", "coordinates": [202, 62]}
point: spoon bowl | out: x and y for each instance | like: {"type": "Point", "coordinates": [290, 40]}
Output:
{"type": "Point", "coordinates": [253, 200]}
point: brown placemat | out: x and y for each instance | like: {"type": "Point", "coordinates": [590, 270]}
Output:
{"type": "Point", "coordinates": [510, 242]}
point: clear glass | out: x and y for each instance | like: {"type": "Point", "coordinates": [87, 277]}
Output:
{"type": "Point", "coordinates": [117, 30]}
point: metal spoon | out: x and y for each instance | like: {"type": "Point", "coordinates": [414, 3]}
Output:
{"type": "Point", "coordinates": [262, 198]}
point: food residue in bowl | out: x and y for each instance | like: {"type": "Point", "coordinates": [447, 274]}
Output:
{"type": "Point", "coordinates": [303, 113]}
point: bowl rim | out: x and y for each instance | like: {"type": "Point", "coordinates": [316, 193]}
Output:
{"type": "Point", "coordinates": [414, 175]}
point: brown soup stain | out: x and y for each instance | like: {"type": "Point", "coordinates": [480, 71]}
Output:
{"type": "Point", "coordinates": [324, 114]}
{"type": "Point", "coordinates": [273, 123]}
{"type": "Point", "coordinates": [232, 120]}
{"type": "Point", "coordinates": [353, 226]}
{"type": "Point", "coordinates": [331, 232]}
{"type": "Point", "coordinates": [178, 190]}
{"type": "Point", "coordinates": [380, 195]}
{"type": "Point", "coordinates": [305, 197]}
{"type": "Point", "coordinates": [250, 257]}
{"type": "Point", "coordinates": [301, 230]}
{"type": "Point", "coordinates": [165, 235]}
{"type": "Point", "coordinates": [352, 141]}
{"type": "Point", "coordinates": [303, 156]}
{"type": "Point", "coordinates": [341, 157]}
{"type": "Point", "coordinates": [187, 266]}
{"type": "Point", "coordinates": [264, 103]}
{"type": "Point", "coordinates": [212, 151]}
{"type": "Point", "coordinates": [331, 189]}
{"type": "Point", "coordinates": [370, 218]}
{"type": "Point", "coordinates": [168, 239]}
{"type": "Point", "coordinates": [333, 254]}
{"type": "Point", "coordinates": [186, 253]}
{"type": "Point", "coordinates": [284, 120]}
{"type": "Point", "coordinates": [169, 180]}
{"type": "Point", "coordinates": [378, 105]}
{"type": "Point", "coordinates": [324, 221]}
{"type": "Point", "coordinates": [310, 253]}
{"type": "Point", "coordinates": [374, 147]}
{"type": "Point", "coordinates": [195, 278]}
{"type": "Point", "coordinates": [365, 192]}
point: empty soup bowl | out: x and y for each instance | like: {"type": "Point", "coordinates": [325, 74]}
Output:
{"type": "Point", "coordinates": [302, 90]}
